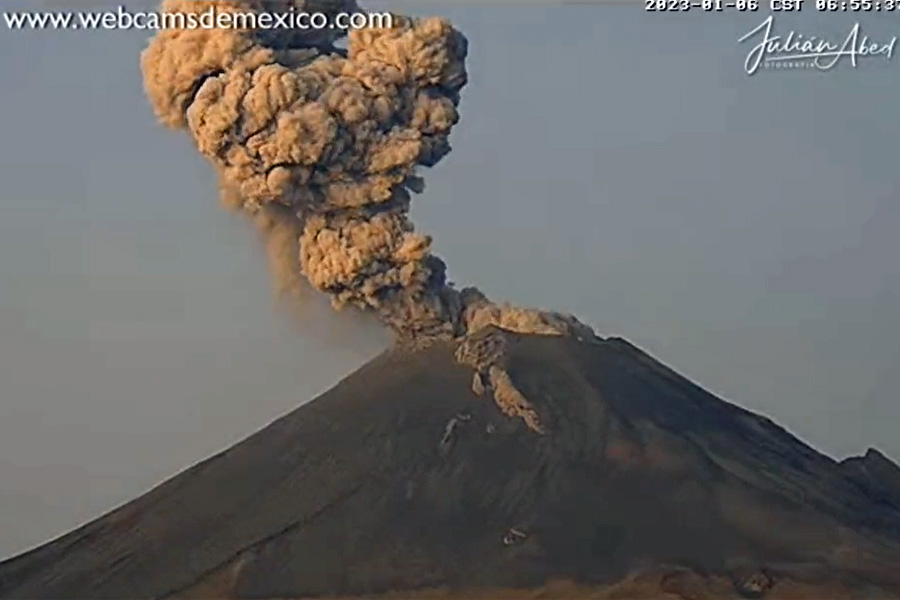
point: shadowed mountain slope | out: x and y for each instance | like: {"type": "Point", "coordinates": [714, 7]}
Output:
{"type": "Point", "coordinates": [401, 478]}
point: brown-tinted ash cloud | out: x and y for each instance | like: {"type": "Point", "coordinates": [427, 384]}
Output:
{"type": "Point", "coordinates": [321, 147]}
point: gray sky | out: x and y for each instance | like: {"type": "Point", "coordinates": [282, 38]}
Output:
{"type": "Point", "coordinates": [609, 162]}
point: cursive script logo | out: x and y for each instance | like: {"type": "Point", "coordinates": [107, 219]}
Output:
{"type": "Point", "coordinates": [809, 51]}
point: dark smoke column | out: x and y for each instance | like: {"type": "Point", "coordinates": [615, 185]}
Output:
{"type": "Point", "coordinates": [321, 147]}
{"type": "Point", "coordinates": [325, 145]}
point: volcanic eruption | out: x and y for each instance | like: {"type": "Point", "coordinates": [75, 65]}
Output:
{"type": "Point", "coordinates": [596, 472]}
{"type": "Point", "coordinates": [322, 146]}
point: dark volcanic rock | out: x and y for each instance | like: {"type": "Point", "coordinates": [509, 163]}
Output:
{"type": "Point", "coordinates": [402, 478]}
{"type": "Point", "coordinates": [877, 475]}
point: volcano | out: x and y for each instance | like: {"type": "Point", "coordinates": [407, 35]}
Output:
{"type": "Point", "coordinates": [403, 480]}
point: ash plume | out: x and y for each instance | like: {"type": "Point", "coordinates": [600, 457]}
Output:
{"type": "Point", "coordinates": [321, 146]}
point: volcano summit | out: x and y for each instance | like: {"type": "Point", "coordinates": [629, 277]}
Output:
{"type": "Point", "coordinates": [402, 479]}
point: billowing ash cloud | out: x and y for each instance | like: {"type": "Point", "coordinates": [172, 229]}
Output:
{"type": "Point", "coordinates": [321, 145]}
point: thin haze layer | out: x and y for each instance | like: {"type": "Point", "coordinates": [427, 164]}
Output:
{"type": "Point", "coordinates": [321, 145]}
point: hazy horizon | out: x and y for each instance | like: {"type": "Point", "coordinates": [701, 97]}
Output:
{"type": "Point", "coordinates": [611, 163]}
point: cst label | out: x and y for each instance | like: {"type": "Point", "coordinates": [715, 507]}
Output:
{"type": "Point", "coordinates": [785, 5]}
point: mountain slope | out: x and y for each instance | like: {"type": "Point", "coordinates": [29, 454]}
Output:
{"type": "Point", "coordinates": [402, 478]}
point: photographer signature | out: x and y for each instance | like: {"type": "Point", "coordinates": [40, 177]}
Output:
{"type": "Point", "coordinates": [819, 52]}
